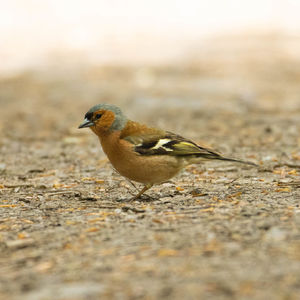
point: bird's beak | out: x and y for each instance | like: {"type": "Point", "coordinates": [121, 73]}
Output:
{"type": "Point", "coordinates": [86, 123]}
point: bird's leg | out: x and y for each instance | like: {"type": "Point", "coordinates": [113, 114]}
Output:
{"type": "Point", "coordinates": [143, 190]}
{"type": "Point", "coordinates": [126, 180]}
{"type": "Point", "coordinates": [131, 183]}
{"type": "Point", "coordinates": [130, 191]}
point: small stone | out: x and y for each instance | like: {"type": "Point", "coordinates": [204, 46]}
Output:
{"type": "Point", "coordinates": [130, 217]}
{"type": "Point", "coordinates": [276, 234]}
{"type": "Point", "coordinates": [19, 244]}
{"type": "Point", "coordinates": [71, 140]}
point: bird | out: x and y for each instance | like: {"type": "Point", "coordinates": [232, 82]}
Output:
{"type": "Point", "coordinates": [144, 154]}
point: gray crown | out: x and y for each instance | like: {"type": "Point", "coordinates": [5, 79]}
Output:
{"type": "Point", "coordinates": [120, 119]}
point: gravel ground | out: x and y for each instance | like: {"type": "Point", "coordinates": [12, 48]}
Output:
{"type": "Point", "coordinates": [216, 231]}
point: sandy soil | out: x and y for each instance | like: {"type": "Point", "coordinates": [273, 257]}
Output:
{"type": "Point", "coordinates": [217, 230]}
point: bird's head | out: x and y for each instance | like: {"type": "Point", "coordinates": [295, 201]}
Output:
{"type": "Point", "coordinates": [103, 118]}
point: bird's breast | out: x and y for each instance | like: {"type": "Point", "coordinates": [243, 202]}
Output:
{"type": "Point", "coordinates": [140, 168]}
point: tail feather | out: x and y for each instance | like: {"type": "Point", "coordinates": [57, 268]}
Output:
{"type": "Point", "coordinates": [214, 155]}
{"type": "Point", "coordinates": [237, 160]}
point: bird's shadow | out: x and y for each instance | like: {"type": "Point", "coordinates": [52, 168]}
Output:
{"type": "Point", "coordinates": [148, 198]}
{"type": "Point", "coordinates": [142, 198]}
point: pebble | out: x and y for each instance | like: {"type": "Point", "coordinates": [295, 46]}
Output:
{"type": "Point", "coordinates": [276, 234]}
{"type": "Point", "coordinates": [19, 244]}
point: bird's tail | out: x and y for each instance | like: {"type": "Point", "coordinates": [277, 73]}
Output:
{"type": "Point", "coordinates": [236, 160]}
{"type": "Point", "coordinates": [210, 154]}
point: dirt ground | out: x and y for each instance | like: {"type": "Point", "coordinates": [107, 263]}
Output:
{"type": "Point", "coordinates": [216, 231]}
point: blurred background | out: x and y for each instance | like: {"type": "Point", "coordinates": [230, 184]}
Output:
{"type": "Point", "coordinates": [36, 34]}
{"type": "Point", "coordinates": [203, 58]}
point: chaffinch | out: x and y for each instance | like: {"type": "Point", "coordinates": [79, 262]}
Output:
{"type": "Point", "coordinates": [143, 154]}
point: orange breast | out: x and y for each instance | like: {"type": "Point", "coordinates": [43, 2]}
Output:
{"type": "Point", "coordinates": [145, 169]}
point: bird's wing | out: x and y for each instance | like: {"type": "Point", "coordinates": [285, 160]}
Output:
{"type": "Point", "coordinates": [167, 143]}
{"type": "Point", "coordinates": [152, 141]}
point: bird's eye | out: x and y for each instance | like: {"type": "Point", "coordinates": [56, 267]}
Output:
{"type": "Point", "coordinates": [88, 116]}
{"type": "Point", "coordinates": [98, 116]}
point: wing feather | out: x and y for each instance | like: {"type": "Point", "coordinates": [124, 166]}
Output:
{"type": "Point", "coordinates": [152, 141]}
{"type": "Point", "coordinates": [172, 144]}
